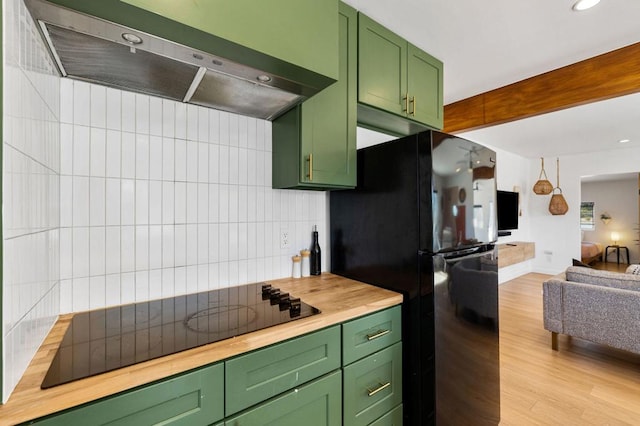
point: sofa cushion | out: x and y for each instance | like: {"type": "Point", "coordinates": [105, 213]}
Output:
{"type": "Point", "coordinates": [603, 278]}
{"type": "Point", "coordinates": [633, 269]}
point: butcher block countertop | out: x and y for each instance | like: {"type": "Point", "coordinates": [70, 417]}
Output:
{"type": "Point", "coordinates": [340, 299]}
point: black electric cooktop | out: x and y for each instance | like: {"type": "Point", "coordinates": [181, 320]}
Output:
{"type": "Point", "coordinates": [106, 339]}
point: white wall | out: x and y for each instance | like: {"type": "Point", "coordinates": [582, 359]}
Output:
{"type": "Point", "coordinates": [619, 198]}
{"type": "Point", "coordinates": [513, 174]}
{"type": "Point", "coordinates": [30, 193]}
{"type": "Point", "coordinates": [560, 235]}
{"type": "Point", "coordinates": [161, 198]}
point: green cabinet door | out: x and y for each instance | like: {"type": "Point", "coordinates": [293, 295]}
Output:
{"type": "Point", "coordinates": [365, 335]}
{"type": "Point", "coordinates": [264, 373]}
{"type": "Point", "coordinates": [314, 144]}
{"type": "Point", "coordinates": [382, 67]}
{"type": "Point", "coordinates": [424, 86]}
{"type": "Point", "coordinates": [372, 386]}
{"type": "Point", "coordinates": [398, 78]}
{"type": "Point", "coordinates": [392, 418]}
{"type": "Point", "coordinates": [191, 399]}
{"type": "Point", "coordinates": [318, 403]}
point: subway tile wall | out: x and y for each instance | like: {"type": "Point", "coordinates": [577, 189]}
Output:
{"type": "Point", "coordinates": [30, 193]}
{"type": "Point", "coordinates": [160, 198]}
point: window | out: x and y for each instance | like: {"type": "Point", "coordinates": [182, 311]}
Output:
{"type": "Point", "coordinates": [586, 215]}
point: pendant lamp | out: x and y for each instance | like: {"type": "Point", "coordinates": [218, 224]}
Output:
{"type": "Point", "coordinates": [543, 186]}
{"type": "Point", "coordinates": [558, 205]}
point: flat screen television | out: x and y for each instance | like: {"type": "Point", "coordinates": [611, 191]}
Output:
{"type": "Point", "coordinates": [508, 206]}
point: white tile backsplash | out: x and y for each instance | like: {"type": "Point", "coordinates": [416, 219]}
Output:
{"type": "Point", "coordinates": [31, 192]}
{"type": "Point", "coordinates": [193, 209]}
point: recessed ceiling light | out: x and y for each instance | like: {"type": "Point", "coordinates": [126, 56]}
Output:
{"type": "Point", "coordinates": [584, 4]}
{"type": "Point", "coordinates": [264, 78]}
{"type": "Point", "coordinates": [131, 38]}
{"type": "Point", "coordinates": [624, 141]}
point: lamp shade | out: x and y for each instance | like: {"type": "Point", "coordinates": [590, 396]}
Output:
{"type": "Point", "coordinates": [615, 236]}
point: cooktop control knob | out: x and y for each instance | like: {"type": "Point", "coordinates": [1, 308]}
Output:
{"type": "Point", "coordinates": [274, 296]}
{"type": "Point", "coordinates": [294, 310]}
{"type": "Point", "coordinates": [285, 301]}
{"type": "Point", "coordinates": [266, 291]}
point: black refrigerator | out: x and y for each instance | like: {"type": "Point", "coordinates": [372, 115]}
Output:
{"type": "Point", "coordinates": [422, 222]}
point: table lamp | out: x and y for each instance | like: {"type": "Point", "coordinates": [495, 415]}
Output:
{"type": "Point", "coordinates": [615, 237]}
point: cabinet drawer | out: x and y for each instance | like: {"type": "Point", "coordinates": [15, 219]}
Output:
{"type": "Point", "coordinates": [364, 336]}
{"type": "Point", "coordinates": [316, 403]}
{"type": "Point", "coordinates": [264, 373]}
{"type": "Point", "coordinates": [191, 399]}
{"type": "Point", "coordinates": [373, 386]}
{"type": "Point", "coordinates": [392, 418]}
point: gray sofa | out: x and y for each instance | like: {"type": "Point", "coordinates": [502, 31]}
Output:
{"type": "Point", "coordinates": [600, 306]}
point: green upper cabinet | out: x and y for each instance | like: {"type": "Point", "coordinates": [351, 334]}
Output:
{"type": "Point", "coordinates": [382, 65]}
{"type": "Point", "coordinates": [314, 144]}
{"type": "Point", "coordinates": [424, 84]}
{"type": "Point", "coordinates": [286, 37]}
{"type": "Point", "coordinates": [396, 77]}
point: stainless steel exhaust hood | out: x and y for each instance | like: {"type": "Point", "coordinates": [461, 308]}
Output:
{"type": "Point", "coordinates": [94, 50]}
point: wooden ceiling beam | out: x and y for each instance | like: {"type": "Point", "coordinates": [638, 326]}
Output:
{"type": "Point", "coordinates": [606, 76]}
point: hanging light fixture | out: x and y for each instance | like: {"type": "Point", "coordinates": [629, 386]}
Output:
{"type": "Point", "coordinates": [543, 186]}
{"type": "Point", "coordinates": [558, 205]}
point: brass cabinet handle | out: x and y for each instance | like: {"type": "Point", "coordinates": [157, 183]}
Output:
{"type": "Point", "coordinates": [382, 386]}
{"type": "Point", "coordinates": [405, 98]}
{"type": "Point", "coordinates": [310, 160]}
{"type": "Point", "coordinates": [413, 101]}
{"type": "Point", "coordinates": [377, 334]}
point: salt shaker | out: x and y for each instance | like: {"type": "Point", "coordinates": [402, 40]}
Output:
{"type": "Point", "coordinates": [306, 271]}
{"type": "Point", "coordinates": [296, 273]}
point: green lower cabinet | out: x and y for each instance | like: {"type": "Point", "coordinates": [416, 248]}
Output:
{"type": "Point", "coordinates": [366, 335]}
{"type": "Point", "coordinates": [314, 144]}
{"type": "Point", "coordinates": [317, 403]}
{"type": "Point", "coordinates": [372, 386]}
{"type": "Point", "coordinates": [262, 374]}
{"type": "Point", "coordinates": [192, 399]}
{"type": "Point", "coordinates": [392, 418]}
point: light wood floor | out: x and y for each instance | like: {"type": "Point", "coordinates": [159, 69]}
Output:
{"type": "Point", "coordinates": [581, 384]}
{"type": "Point", "coordinates": [610, 266]}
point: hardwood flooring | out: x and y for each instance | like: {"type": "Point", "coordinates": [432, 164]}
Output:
{"type": "Point", "coordinates": [581, 384]}
{"type": "Point", "coordinates": [610, 266]}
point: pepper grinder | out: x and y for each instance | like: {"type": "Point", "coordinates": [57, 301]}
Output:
{"type": "Point", "coordinates": [315, 253]}
{"type": "Point", "coordinates": [305, 262]}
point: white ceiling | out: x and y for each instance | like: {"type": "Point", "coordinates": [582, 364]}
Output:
{"type": "Point", "coordinates": [485, 45]}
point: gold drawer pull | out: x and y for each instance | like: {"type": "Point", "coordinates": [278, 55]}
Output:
{"type": "Point", "coordinates": [413, 101]}
{"type": "Point", "coordinates": [382, 386]}
{"type": "Point", "coordinates": [377, 334]}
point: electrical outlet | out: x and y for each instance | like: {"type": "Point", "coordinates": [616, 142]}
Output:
{"type": "Point", "coordinates": [285, 242]}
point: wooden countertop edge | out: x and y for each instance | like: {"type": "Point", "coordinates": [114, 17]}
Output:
{"type": "Point", "coordinates": [340, 299]}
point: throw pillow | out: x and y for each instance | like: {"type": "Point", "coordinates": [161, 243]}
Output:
{"type": "Point", "coordinates": [576, 262]}
{"type": "Point", "coordinates": [633, 269]}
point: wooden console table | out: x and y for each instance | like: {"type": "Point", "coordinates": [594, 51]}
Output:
{"type": "Point", "coordinates": [515, 252]}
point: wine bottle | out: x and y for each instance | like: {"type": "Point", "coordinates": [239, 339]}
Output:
{"type": "Point", "coordinates": [315, 253]}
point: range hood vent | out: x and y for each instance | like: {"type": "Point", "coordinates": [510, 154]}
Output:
{"type": "Point", "coordinates": [90, 49]}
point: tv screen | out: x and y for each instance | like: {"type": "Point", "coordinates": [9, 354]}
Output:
{"type": "Point", "coordinates": [507, 210]}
